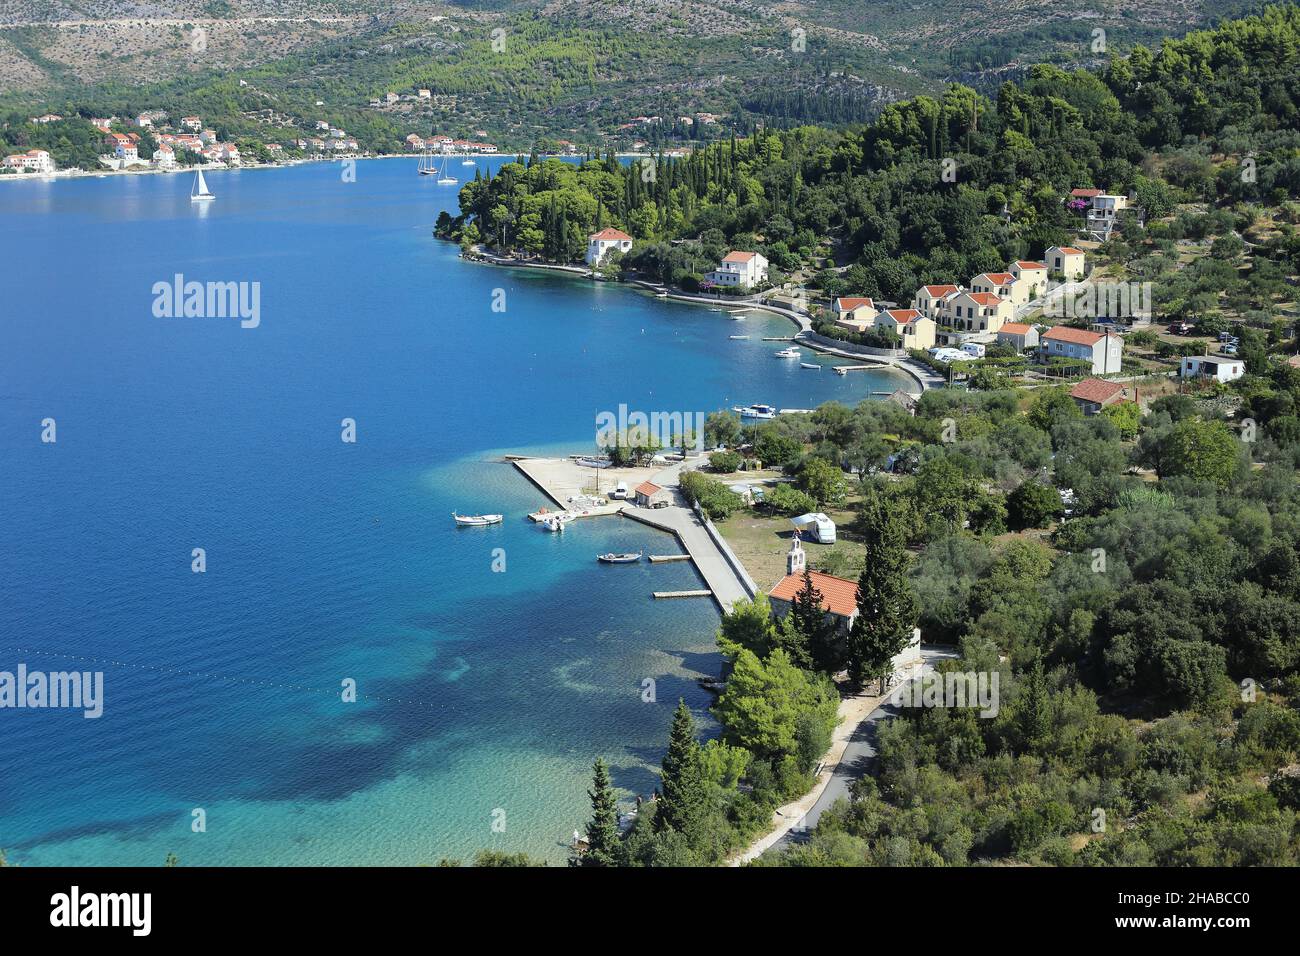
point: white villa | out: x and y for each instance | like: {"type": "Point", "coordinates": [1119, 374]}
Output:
{"type": "Point", "coordinates": [164, 157]}
{"type": "Point", "coordinates": [748, 269]}
{"type": "Point", "coordinates": [599, 243]}
{"type": "Point", "coordinates": [32, 161]}
{"type": "Point", "coordinates": [1103, 350]}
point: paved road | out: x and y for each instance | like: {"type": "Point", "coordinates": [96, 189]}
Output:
{"type": "Point", "coordinates": [858, 760]}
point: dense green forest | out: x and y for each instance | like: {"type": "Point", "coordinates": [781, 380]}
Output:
{"type": "Point", "coordinates": [1169, 126]}
{"type": "Point", "coordinates": [1147, 639]}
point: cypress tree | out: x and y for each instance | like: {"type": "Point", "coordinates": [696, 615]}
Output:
{"type": "Point", "coordinates": [603, 844]}
{"type": "Point", "coordinates": [887, 608]}
{"type": "Point", "coordinates": [685, 796]}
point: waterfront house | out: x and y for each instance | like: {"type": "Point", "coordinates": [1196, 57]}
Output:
{"type": "Point", "coordinates": [740, 269]}
{"type": "Point", "coordinates": [914, 330]}
{"type": "Point", "coordinates": [1094, 394]}
{"type": "Point", "coordinates": [32, 161]}
{"type": "Point", "coordinates": [1068, 261]}
{"type": "Point", "coordinates": [1033, 275]}
{"type": "Point", "coordinates": [854, 313]}
{"type": "Point", "coordinates": [164, 157]}
{"type": "Point", "coordinates": [1019, 336]}
{"type": "Point", "coordinates": [1221, 368]}
{"type": "Point", "coordinates": [650, 495]}
{"type": "Point", "coordinates": [599, 243]}
{"type": "Point", "coordinates": [932, 300]}
{"type": "Point", "coordinates": [1103, 349]}
{"type": "Point", "coordinates": [979, 312]}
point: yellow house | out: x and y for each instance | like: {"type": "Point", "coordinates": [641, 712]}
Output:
{"type": "Point", "coordinates": [854, 314]}
{"type": "Point", "coordinates": [914, 330]}
{"type": "Point", "coordinates": [979, 312]}
{"type": "Point", "coordinates": [932, 300]}
{"type": "Point", "coordinates": [1033, 274]}
{"type": "Point", "coordinates": [1002, 284]}
{"type": "Point", "coordinates": [1066, 260]}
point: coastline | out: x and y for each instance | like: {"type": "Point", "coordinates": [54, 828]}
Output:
{"type": "Point", "coordinates": [924, 377]}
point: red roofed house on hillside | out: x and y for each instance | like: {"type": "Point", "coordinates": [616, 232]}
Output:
{"type": "Point", "coordinates": [1033, 275]}
{"type": "Point", "coordinates": [914, 330]}
{"type": "Point", "coordinates": [1002, 284]}
{"type": "Point", "coordinates": [599, 243]}
{"type": "Point", "coordinates": [978, 312]}
{"type": "Point", "coordinates": [854, 313]}
{"type": "Point", "coordinates": [1019, 336]}
{"type": "Point", "coordinates": [1104, 351]}
{"type": "Point", "coordinates": [932, 300]}
{"type": "Point", "coordinates": [1094, 394]}
{"type": "Point", "coordinates": [1068, 261]}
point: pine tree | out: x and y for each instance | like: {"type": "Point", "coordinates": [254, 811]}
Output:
{"type": "Point", "coordinates": [603, 845]}
{"type": "Point", "coordinates": [1034, 708]}
{"type": "Point", "coordinates": [806, 620]}
{"type": "Point", "coordinates": [887, 608]}
{"type": "Point", "coordinates": [685, 794]}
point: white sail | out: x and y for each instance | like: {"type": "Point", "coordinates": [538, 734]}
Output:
{"type": "Point", "coordinates": [200, 188]}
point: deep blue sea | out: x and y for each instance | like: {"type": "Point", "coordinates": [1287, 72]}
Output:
{"type": "Point", "coordinates": [484, 695]}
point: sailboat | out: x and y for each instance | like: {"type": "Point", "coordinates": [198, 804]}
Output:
{"type": "Point", "coordinates": [427, 166]}
{"type": "Point", "coordinates": [445, 178]}
{"type": "Point", "coordinates": [199, 191]}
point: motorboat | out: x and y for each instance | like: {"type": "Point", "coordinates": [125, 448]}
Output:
{"type": "Point", "coordinates": [755, 411]}
{"type": "Point", "coordinates": [476, 521]}
{"type": "Point", "coordinates": [556, 521]}
{"type": "Point", "coordinates": [612, 558]}
{"type": "Point", "coordinates": [791, 352]}
{"type": "Point", "coordinates": [810, 365]}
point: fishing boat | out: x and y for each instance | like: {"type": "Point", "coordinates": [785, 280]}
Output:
{"type": "Point", "coordinates": [755, 411]}
{"type": "Point", "coordinates": [199, 191]}
{"type": "Point", "coordinates": [810, 365]}
{"type": "Point", "coordinates": [737, 336]}
{"type": "Point", "coordinates": [475, 521]}
{"type": "Point", "coordinates": [612, 558]}
{"type": "Point", "coordinates": [791, 352]}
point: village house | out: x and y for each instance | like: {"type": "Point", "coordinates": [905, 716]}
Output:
{"type": "Point", "coordinates": [1102, 349]}
{"type": "Point", "coordinates": [650, 495]}
{"type": "Point", "coordinates": [47, 118]}
{"type": "Point", "coordinates": [1033, 275]}
{"type": "Point", "coordinates": [415, 142]}
{"type": "Point", "coordinates": [854, 313]}
{"type": "Point", "coordinates": [1067, 261]}
{"type": "Point", "coordinates": [32, 161]}
{"type": "Point", "coordinates": [1019, 336]}
{"type": "Point", "coordinates": [1001, 284]}
{"type": "Point", "coordinates": [193, 123]}
{"type": "Point", "coordinates": [103, 124]}
{"type": "Point", "coordinates": [423, 94]}
{"type": "Point", "coordinates": [164, 157]}
{"type": "Point", "coordinates": [391, 98]}
{"type": "Point", "coordinates": [599, 243]}
{"type": "Point", "coordinates": [1221, 368]}
{"type": "Point", "coordinates": [932, 300]}
{"type": "Point", "coordinates": [978, 312]}
{"type": "Point", "coordinates": [740, 269]}
{"type": "Point", "coordinates": [914, 330]}
{"type": "Point", "coordinates": [1094, 394]}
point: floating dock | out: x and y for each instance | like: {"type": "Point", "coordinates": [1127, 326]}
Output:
{"type": "Point", "coordinates": [682, 594]}
{"type": "Point", "coordinates": [845, 369]}
{"type": "Point", "coordinates": [657, 558]}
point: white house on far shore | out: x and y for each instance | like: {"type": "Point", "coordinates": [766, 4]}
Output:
{"type": "Point", "coordinates": [599, 243]}
{"type": "Point", "coordinates": [34, 160]}
{"type": "Point", "coordinates": [740, 269]}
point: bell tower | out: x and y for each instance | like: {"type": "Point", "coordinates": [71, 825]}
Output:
{"type": "Point", "coordinates": [797, 559]}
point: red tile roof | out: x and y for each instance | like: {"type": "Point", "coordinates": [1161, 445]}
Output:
{"type": "Point", "coordinates": [838, 595]}
{"type": "Point", "coordinates": [848, 303]}
{"type": "Point", "coordinates": [998, 278]}
{"type": "Point", "coordinates": [1085, 193]}
{"type": "Point", "coordinates": [938, 291]}
{"type": "Point", "coordinates": [1027, 266]}
{"type": "Point", "coordinates": [1071, 251]}
{"type": "Point", "coordinates": [609, 233]}
{"type": "Point", "coordinates": [984, 298]}
{"type": "Point", "coordinates": [1016, 328]}
{"type": "Point", "coordinates": [1064, 333]}
{"type": "Point", "coordinates": [647, 488]}
{"type": "Point", "coordinates": [738, 256]}
{"type": "Point", "coordinates": [1096, 390]}
{"type": "Point", "coordinates": [902, 316]}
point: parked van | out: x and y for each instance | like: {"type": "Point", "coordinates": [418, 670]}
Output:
{"type": "Point", "coordinates": [620, 492]}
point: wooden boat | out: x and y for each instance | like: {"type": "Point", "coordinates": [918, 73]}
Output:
{"type": "Point", "coordinates": [475, 521]}
{"type": "Point", "coordinates": [612, 558]}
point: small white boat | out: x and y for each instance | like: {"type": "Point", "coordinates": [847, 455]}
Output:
{"type": "Point", "coordinates": [714, 309]}
{"type": "Point", "coordinates": [737, 336]}
{"type": "Point", "coordinates": [199, 191]}
{"type": "Point", "coordinates": [557, 521]}
{"type": "Point", "coordinates": [810, 365]}
{"type": "Point", "coordinates": [755, 411]}
{"type": "Point", "coordinates": [791, 352]}
{"type": "Point", "coordinates": [612, 558]}
{"type": "Point", "coordinates": [475, 521]}
{"type": "Point", "coordinates": [468, 162]}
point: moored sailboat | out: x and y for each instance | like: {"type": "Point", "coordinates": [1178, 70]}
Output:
{"type": "Point", "coordinates": [199, 191]}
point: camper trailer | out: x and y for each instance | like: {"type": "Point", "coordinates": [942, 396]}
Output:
{"type": "Point", "coordinates": [816, 527]}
